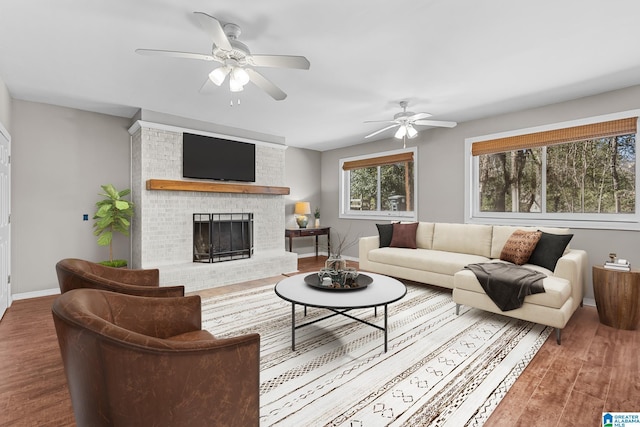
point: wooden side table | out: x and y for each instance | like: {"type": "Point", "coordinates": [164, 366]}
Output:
{"type": "Point", "coordinates": [617, 295]}
{"type": "Point", "coordinates": [306, 232]}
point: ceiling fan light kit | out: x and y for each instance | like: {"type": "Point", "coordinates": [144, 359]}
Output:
{"type": "Point", "coordinates": [405, 121]}
{"type": "Point", "coordinates": [218, 75]}
{"type": "Point", "coordinates": [235, 57]}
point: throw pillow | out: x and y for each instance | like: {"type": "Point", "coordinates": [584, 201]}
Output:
{"type": "Point", "coordinates": [385, 231]}
{"type": "Point", "coordinates": [549, 250]}
{"type": "Point", "coordinates": [520, 246]}
{"type": "Point", "coordinates": [404, 235]}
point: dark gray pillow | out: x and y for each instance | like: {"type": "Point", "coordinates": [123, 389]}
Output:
{"type": "Point", "coordinates": [549, 249]}
{"type": "Point", "coordinates": [386, 234]}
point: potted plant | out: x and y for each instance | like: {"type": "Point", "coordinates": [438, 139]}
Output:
{"type": "Point", "coordinates": [113, 214]}
{"type": "Point", "coordinates": [316, 214]}
{"type": "Point", "coordinates": [340, 243]}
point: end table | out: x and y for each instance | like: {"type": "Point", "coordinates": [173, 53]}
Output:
{"type": "Point", "coordinates": [617, 295]}
{"type": "Point", "coordinates": [290, 233]}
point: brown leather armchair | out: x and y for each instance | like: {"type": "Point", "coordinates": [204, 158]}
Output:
{"type": "Point", "coordinates": [140, 361]}
{"type": "Point", "coordinates": [76, 273]}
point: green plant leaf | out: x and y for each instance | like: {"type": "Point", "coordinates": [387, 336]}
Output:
{"type": "Point", "coordinates": [122, 204]}
{"type": "Point", "coordinates": [105, 238]}
{"type": "Point", "coordinates": [111, 191]}
{"type": "Point", "coordinates": [103, 211]}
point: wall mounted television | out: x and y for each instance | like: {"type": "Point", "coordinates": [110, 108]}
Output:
{"type": "Point", "coordinates": [221, 159]}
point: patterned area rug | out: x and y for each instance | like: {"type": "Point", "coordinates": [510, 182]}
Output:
{"type": "Point", "coordinates": [440, 369]}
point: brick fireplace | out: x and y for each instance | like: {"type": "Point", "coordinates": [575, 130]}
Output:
{"type": "Point", "coordinates": [162, 229]}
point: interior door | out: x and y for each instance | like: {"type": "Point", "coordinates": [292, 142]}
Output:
{"type": "Point", "coordinates": [5, 225]}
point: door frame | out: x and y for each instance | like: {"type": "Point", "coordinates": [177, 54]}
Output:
{"type": "Point", "coordinates": [5, 220]}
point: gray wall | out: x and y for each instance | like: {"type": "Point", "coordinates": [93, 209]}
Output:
{"type": "Point", "coordinates": [5, 106]}
{"type": "Point", "coordinates": [302, 176]}
{"type": "Point", "coordinates": [441, 172]}
{"type": "Point", "coordinates": [60, 158]}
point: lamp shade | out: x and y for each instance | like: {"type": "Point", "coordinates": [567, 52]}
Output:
{"type": "Point", "coordinates": [411, 131]}
{"type": "Point", "coordinates": [218, 75]}
{"type": "Point", "coordinates": [302, 208]}
{"type": "Point", "coordinates": [401, 132]}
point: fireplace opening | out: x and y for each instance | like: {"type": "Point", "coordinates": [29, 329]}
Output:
{"type": "Point", "coordinates": [219, 237]}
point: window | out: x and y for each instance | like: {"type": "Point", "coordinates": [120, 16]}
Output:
{"type": "Point", "coordinates": [379, 186]}
{"type": "Point", "coordinates": [580, 175]}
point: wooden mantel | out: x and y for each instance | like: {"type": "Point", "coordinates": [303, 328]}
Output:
{"type": "Point", "coordinates": [214, 187]}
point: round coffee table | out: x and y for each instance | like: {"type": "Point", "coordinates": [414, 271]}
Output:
{"type": "Point", "coordinates": [382, 291]}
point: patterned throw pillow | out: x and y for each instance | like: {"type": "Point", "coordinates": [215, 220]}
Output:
{"type": "Point", "coordinates": [520, 246]}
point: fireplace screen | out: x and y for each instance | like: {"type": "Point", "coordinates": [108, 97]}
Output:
{"type": "Point", "coordinates": [222, 237]}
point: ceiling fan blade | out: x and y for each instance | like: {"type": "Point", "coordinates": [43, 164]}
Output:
{"type": "Point", "coordinates": [261, 81]}
{"type": "Point", "coordinates": [381, 130]}
{"type": "Point", "coordinates": [435, 123]}
{"type": "Point", "coordinates": [419, 116]}
{"type": "Point", "coordinates": [382, 121]}
{"type": "Point", "coordinates": [212, 26]}
{"type": "Point", "coordinates": [174, 54]}
{"type": "Point", "coordinates": [279, 61]}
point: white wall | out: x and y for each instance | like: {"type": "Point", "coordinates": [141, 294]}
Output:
{"type": "Point", "coordinates": [441, 172]}
{"type": "Point", "coordinates": [60, 158]}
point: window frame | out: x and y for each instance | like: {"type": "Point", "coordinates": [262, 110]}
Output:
{"type": "Point", "coordinates": [572, 220]}
{"type": "Point", "coordinates": [344, 207]}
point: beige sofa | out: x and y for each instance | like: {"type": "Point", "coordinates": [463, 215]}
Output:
{"type": "Point", "coordinates": [443, 250]}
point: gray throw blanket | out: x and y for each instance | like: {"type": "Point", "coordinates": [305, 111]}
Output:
{"type": "Point", "coordinates": [507, 284]}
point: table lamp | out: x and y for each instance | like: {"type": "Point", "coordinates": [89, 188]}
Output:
{"type": "Point", "coordinates": [302, 209]}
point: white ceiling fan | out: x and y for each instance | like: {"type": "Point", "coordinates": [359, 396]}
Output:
{"type": "Point", "coordinates": [406, 121]}
{"type": "Point", "coordinates": [236, 59]}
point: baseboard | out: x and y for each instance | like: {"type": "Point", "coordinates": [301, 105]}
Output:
{"type": "Point", "coordinates": [35, 294]}
{"type": "Point", "coordinates": [589, 301]}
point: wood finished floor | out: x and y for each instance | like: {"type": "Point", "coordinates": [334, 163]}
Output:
{"type": "Point", "coordinates": [596, 369]}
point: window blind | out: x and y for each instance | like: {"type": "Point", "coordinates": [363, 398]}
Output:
{"type": "Point", "coordinates": [378, 161]}
{"type": "Point", "coordinates": [556, 136]}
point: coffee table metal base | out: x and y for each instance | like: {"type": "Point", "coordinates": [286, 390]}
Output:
{"type": "Point", "coordinates": [336, 312]}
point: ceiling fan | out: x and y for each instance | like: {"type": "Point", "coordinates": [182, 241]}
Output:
{"type": "Point", "coordinates": [236, 59]}
{"type": "Point", "coordinates": [405, 122]}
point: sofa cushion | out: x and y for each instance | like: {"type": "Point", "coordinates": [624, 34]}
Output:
{"type": "Point", "coordinates": [520, 246]}
{"type": "Point", "coordinates": [474, 239]}
{"type": "Point", "coordinates": [556, 290]}
{"type": "Point", "coordinates": [424, 235]}
{"type": "Point", "coordinates": [385, 231]}
{"type": "Point", "coordinates": [404, 235]}
{"type": "Point", "coordinates": [549, 249]}
{"type": "Point", "coordinates": [501, 234]}
{"type": "Point", "coordinates": [424, 259]}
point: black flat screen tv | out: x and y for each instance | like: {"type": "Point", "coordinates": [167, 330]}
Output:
{"type": "Point", "coordinates": [221, 159]}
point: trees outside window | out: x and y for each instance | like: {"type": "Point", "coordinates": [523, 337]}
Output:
{"type": "Point", "coordinates": [592, 176]}
{"type": "Point", "coordinates": [550, 176]}
{"type": "Point", "coordinates": [381, 185]}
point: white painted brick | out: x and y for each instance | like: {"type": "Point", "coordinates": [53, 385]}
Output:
{"type": "Point", "coordinates": [162, 228]}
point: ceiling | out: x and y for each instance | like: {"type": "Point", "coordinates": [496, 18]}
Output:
{"type": "Point", "coordinates": [456, 59]}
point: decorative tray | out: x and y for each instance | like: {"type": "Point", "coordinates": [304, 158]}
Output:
{"type": "Point", "coordinates": [361, 282]}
